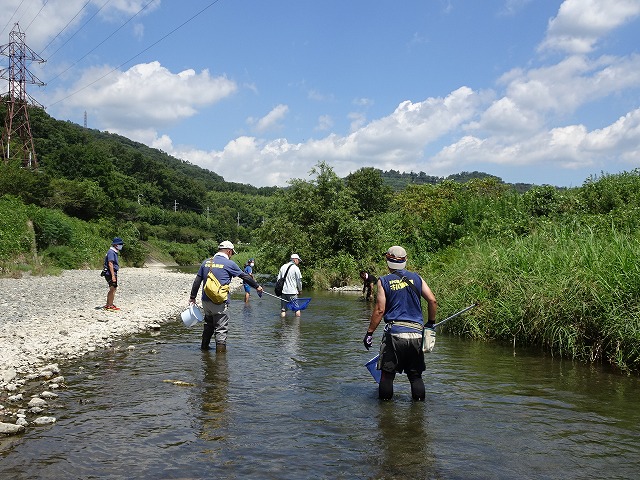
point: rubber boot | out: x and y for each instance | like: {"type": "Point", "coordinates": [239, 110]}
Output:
{"type": "Point", "coordinates": [221, 347]}
{"type": "Point", "coordinates": [207, 333]}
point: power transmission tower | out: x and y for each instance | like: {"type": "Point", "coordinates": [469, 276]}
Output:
{"type": "Point", "coordinates": [17, 98]}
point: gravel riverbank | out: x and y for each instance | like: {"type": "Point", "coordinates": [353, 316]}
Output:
{"type": "Point", "coordinates": [47, 319]}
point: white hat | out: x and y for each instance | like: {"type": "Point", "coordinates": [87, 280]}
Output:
{"type": "Point", "coordinates": [295, 256]}
{"type": "Point", "coordinates": [396, 258]}
{"type": "Point", "coordinates": [227, 245]}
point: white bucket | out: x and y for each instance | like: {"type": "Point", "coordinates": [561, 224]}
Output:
{"type": "Point", "coordinates": [191, 315]}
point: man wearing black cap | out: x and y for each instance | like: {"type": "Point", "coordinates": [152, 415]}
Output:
{"type": "Point", "coordinates": [398, 302]}
{"type": "Point", "coordinates": [110, 272]}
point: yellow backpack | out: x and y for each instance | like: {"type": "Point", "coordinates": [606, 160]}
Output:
{"type": "Point", "coordinates": [216, 292]}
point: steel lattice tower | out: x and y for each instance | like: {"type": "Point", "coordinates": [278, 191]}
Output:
{"type": "Point", "coordinates": [17, 99]}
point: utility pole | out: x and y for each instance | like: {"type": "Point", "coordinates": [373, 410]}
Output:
{"type": "Point", "coordinates": [175, 205]}
{"type": "Point", "coordinates": [17, 98]}
{"type": "Point", "coordinates": [85, 119]}
{"type": "Point", "coordinates": [238, 218]}
{"type": "Point", "coordinates": [139, 195]}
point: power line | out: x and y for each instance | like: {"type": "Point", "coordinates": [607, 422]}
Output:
{"type": "Point", "coordinates": [11, 18]}
{"type": "Point", "coordinates": [78, 30]}
{"type": "Point", "coordinates": [36, 15]}
{"type": "Point", "coordinates": [137, 55]}
{"type": "Point", "coordinates": [103, 41]}
{"type": "Point", "coordinates": [65, 27]}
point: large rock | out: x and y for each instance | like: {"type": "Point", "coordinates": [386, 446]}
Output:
{"type": "Point", "coordinates": [11, 429]}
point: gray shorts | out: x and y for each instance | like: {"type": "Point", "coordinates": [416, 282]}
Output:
{"type": "Point", "coordinates": [287, 298]}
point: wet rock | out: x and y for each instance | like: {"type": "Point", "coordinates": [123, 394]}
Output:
{"type": "Point", "coordinates": [15, 398]}
{"type": "Point", "coordinates": [48, 395]}
{"type": "Point", "coordinates": [11, 429]}
{"type": "Point", "coordinates": [37, 402]}
{"type": "Point", "coordinates": [44, 420]}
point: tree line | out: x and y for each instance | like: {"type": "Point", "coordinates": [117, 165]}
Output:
{"type": "Point", "coordinates": [553, 268]}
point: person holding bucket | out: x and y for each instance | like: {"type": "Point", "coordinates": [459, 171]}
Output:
{"type": "Point", "coordinates": [216, 320]}
{"type": "Point", "coordinates": [399, 303]}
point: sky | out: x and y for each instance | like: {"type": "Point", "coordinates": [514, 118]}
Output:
{"type": "Point", "coordinates": [533, 91]}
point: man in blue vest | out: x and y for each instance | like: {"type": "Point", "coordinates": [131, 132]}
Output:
{"type": "Point", "coordinates": [398, 302]}
{"type": "Point", "coordinates": [216, 320]}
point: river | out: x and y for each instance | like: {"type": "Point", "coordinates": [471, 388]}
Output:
{"type": "Point", "coordinates": [291, 399]}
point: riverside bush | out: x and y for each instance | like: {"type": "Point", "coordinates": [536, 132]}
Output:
{"type": "Point", "coordinates": [571, 291]}
{"type": "Point", "coordinates": [16, 236]}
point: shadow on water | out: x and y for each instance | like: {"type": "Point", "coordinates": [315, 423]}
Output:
{"type": "Point", "coordinates": [291, 399]}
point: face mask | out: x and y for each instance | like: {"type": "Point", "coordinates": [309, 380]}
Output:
{"type": "Point", "coordinates": [119, 247]}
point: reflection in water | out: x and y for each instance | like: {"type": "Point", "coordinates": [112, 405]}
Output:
{"type": "Point", "coordinates": [287, 334]}
{"type": "Point", "coordinates": [215, 395]}
{"type": "Point", "coordinates": [404, 445]}
{"type": "Point", "coordinates": [291, 399]}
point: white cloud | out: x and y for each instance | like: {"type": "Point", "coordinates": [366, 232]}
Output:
{"type": "Point", "coordinates": [49, 23]}
{"type": "Point", "coordinates": [572, 147]}
{"type": "Point", "coordinates": [358, 120]}
{"type": "Point", "coordinates": [271, 120]}
{"type": "Point", "coordinates": [581, 23]}
{"type": "Point", "coordinates": [560, 89]}
{"type": "Point", "coordinates": [145, 96]}
{"type": "Point", "coordinates": [325, 122]}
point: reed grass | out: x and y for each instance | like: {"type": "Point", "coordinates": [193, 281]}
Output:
{"type": "Point", "coordinates": [571, 288]}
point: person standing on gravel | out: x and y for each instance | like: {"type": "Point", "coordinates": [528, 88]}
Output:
{"type": "Point", "coordinates": [110, 272]}
{"type": "Point", "coordinates": [216, 320]}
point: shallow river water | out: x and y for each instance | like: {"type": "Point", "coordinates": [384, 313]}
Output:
{"type": "Point", "coordinates": [291, 399]}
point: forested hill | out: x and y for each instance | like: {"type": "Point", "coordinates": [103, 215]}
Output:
{"type": "Point", "coordinates": [398, 181]}
{"type": "Point", "coordinates": [54, 138]}
{"type": "Point", "coordinates": [128, 171]}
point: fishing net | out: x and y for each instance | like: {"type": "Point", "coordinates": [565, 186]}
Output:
{"type": "Point", "coordinates": [298, 304]}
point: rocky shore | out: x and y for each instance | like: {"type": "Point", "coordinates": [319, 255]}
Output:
{"type": "Point", "coordinates": [47, 319]}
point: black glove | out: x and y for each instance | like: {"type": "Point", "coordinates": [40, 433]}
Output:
{"type": "Point", "coordinates": [431, 325]}
{"type": "Point", "coordinates": [259, 293]}
{"type": "Point", "coordinates": [368, 340]}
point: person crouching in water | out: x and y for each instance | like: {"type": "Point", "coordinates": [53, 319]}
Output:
{"type": "Point", "coordinates": [398, 302]}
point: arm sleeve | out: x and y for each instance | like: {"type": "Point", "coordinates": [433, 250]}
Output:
{"type": "Point", "coordinates": [298, 279]}
{"type": "Point", "coordinates": [196, 286]}
{"type": "Point", "coordinates": [248, 279]}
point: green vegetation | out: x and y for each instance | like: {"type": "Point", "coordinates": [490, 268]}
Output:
{"type": "Point", "coordinates": [554, 268]}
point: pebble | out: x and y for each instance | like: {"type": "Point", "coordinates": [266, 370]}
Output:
{"type": "Point", "coordinates": [47, 319]}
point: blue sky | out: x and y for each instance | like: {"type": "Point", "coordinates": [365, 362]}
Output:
{"type": "Point", "coordinates": [533, 91]}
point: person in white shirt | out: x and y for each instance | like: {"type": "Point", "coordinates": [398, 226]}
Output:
{"type": "Point", "coordinates": [292, 284]}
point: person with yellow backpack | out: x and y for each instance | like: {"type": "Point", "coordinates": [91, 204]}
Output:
{"type": "Point", "coordinates": [217, 273]}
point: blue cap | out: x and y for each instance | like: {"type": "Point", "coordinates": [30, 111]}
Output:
{"type": "Point", "coordinates": [117, 241]}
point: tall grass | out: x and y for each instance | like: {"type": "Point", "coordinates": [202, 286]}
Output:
{"type": "Point", "coordinates": [569, 288]}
